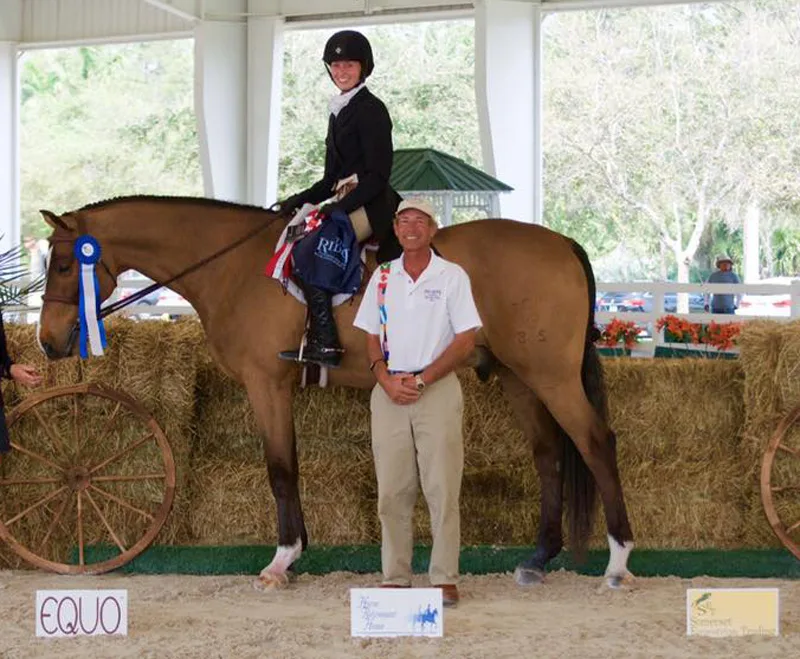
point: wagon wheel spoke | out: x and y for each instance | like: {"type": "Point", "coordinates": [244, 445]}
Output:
{"type": "Point", "coordinates": [80, 530]}
{"type": "Point", "coordinates": [793, 527]}
{"type": "Point", "coordinates": [139, 477]}
{"type": "Point", "coordinates": [37, 457]}
{"type": "Point", "coordinates": [109, 425]}
{"type": "Point", "coordinates": [54, 439]}
{"type": "Point", "coordinates": [53, 524]}
{"type": "Point", "coordinates": [122, 502]}
{"type": "Point", "coordinates": [75, 428]}
{"type": "Point", "coordinates": [31, 481]}
{"type": "Point", "coordinates": [122, 453]}
{"type": "Point", "coordinates": [788, 449]}
{"type": "Point", "coordinates": [36, 505]}
{"type": "Point", "coordinates": [785, 488]}
{"type": "Point", "coordinates": [105, 522]}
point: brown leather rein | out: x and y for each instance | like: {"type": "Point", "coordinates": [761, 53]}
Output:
{"type": "Point", "coordinates": [135, 297]}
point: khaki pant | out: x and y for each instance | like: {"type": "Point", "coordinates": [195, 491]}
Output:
{"type": "Point", "coordinates": [421, 442]}
{"type": "Point", "coordinates": [361, 225]}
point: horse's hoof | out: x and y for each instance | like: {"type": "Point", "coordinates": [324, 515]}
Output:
{"type": "Point", "coordinates": [269, 581]}
{"type": "Point", "coordinates": [525, 576]}
{"type": "Point", "coordinates": [619, 582]}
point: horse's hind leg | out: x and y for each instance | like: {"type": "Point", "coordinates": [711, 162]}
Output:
{"type": "Point", "coordinates": [272, 404]}
{"type": "Point", "coordinates": [597, 445]}
{"type": "Point", "coordinates": [547, 442]}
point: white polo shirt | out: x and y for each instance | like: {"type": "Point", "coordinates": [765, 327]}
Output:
{"type": "Point", "coordinates": [423, 316]}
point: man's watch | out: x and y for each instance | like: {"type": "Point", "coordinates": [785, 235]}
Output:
{"type": "Point", "coordinates": [420, 383]}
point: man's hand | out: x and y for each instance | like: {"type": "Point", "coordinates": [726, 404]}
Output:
{"type": "Point", "coordinates": [400, 388]}
{"type": "Point", "coordinates": [25, 374]}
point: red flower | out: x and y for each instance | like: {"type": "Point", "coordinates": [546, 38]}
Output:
{"type": "Point", "coordinates": [619, 331]}
{"type": "Point", "coordinates": [720, 335]}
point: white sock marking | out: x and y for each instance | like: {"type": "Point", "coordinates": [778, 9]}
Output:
{"type": "Point", "coordinates": [284, 557]}
{"type": "Point", "coordinates": [618, 560]}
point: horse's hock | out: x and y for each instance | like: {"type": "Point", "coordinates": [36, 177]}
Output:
{"type": "Point", "coordinates": [691, 434]}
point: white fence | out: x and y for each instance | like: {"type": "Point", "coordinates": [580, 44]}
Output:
{"type": "Point", "coordinates": [170, 304]}
{"type": "Point", "coordinates": [659, 290]}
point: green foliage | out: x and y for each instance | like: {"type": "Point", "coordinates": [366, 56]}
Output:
{"type": "Point", "coordinates": [97, 122]}
{"type": "Point", "coordinates": [661, 125]}
{"type": "Point", "coordinates": [424, 73]}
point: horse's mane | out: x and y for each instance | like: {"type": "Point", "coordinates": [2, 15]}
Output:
{"type": "Point", "coordinates": [202, 201]}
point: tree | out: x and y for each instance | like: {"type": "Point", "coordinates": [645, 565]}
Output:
{"type": "Point", "coordinates": [676, 118]}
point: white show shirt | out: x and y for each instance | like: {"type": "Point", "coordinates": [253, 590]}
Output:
{"type": "Point", "coordinates": [423, 316]}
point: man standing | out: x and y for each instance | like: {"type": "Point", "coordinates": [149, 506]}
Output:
{"type": "Point", "coordinates": [421, 322]}
{"type": "Point", "coordinates": [724, 274]}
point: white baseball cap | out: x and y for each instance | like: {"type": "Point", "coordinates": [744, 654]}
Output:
{"type": "Point", "coordinates": [417, 203]}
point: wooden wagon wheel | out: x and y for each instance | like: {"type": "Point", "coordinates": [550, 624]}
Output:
{"type": "Point", "coordinates": [79, 493]}
{"type": "Point", "coordinates": [769, 466]}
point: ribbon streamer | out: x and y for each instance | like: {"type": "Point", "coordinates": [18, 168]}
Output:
{"type": "Point", "coordinates": [92, 332]}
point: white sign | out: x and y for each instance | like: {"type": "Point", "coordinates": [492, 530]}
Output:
{"type": "Point", "coordinates": [62, 613]}
{"type": "Point", "coordinates": [396, 612]}
{"type": "Point", "coordinates": [732, 612]}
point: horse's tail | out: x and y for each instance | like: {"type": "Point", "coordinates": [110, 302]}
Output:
{"type": "Point", "coordinates": [580, 493]}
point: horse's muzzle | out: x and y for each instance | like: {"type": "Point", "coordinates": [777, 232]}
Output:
{"type": "Point", "coordinates": [51, 352]}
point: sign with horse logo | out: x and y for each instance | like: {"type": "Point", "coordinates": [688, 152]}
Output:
{"type": "Point", "coordinates": [396, 612]}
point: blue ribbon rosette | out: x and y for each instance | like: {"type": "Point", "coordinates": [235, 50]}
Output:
{"type": "Point", "coordinates": [92, 332]}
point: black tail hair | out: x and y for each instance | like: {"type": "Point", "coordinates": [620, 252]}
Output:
{"type": "Point", "coordinates": [579, 488]}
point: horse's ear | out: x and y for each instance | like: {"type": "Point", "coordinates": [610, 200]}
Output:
{"type": "Point", "coordinates": [53, 220]}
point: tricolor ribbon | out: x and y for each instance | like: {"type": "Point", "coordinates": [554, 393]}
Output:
{"type": "Point", "coordinates": [92, 332]}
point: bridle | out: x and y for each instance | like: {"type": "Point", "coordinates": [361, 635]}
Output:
{"type": "Point", "coordinates": [65, 237]}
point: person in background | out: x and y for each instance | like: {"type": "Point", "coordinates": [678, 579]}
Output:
{"type": "Point", "coordinates": [724, 274]}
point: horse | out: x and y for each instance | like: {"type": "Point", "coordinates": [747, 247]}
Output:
{"type": "Point", "coordinates": [426, 617]}
{"type": "Point", "coordinates": [534, 290]}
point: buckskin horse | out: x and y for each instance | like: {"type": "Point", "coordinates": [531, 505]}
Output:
{"type": "Point", "coordinates": [534, 290]}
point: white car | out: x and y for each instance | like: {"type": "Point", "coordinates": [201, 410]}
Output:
{"type": "Point", "coordinates": [161, 297]}
{"type": "Point", "coordinates": [767, 305]}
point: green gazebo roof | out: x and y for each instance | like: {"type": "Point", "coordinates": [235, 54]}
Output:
{"type": "Point", "coordinates": [429, 170]}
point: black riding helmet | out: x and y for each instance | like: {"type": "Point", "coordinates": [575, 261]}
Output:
{"type": "Point", "coordinates": [349, 45]}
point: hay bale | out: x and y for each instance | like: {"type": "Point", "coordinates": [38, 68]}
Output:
{"type": "Point", "coordinates": [153, 362]}
{"type": "Point", "coordinates": [678, 425]}
{"type": "Point", "coordinates": [234, 505]}
{"type": "Point", "coordinates": [771, 363]}
{"type": "Point", "coordinates": [670, 435]}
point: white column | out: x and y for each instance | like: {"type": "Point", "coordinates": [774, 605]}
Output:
{"type": "Point", "coordinates": [751, 264]}
{"type": "Point", "coordinates": [221, 101]}
{"type": "Point", "coordinates": [508, 91]}
{"type": "Point", "coordinates": [9, 146]}
{"type": "Point", "coordinates": [264, 91]}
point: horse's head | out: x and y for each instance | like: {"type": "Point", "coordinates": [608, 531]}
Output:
{"type": "Point", "coordinates": [58, 323]}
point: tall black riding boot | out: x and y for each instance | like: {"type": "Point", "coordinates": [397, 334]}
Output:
{"type": "Point", "coordinates": [323, 345]}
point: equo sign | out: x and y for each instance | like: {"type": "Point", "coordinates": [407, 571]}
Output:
{"type": "Point", "coordinates": [62, 613]}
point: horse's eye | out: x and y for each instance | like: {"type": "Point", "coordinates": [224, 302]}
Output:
{"type": "Point", "coordinates": [62, 268]}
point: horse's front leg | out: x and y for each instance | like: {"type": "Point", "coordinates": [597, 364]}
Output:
{"type": "Point", "coordinates": [272, 404]}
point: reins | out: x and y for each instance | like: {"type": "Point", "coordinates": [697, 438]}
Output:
{"type": "Point", "coordinates": [135, 297]}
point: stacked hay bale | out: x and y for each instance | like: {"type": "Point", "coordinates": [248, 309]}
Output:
{"type": "Point", "coordinates": [232, 498]}
{"type": "Point", "coordinates": [155, 363]}
{"type": "Point", "coordinates": [771, 363]}
{"type": "Point", "coordinates": [690, 436]}
{"type": "Point", "coordinates": [678, 425]}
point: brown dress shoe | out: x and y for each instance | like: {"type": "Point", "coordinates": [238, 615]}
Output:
{"type": "Point", "coordinates": [449, 594]}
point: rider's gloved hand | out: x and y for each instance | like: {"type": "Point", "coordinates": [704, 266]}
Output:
{"type": "Point", "coordinates": [288, 207]}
